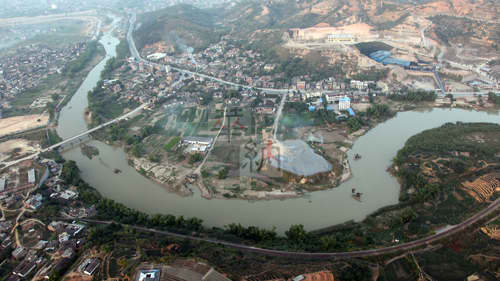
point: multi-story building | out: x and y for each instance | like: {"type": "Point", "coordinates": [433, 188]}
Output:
{"type": "Point", "coordinates": [344, 103]}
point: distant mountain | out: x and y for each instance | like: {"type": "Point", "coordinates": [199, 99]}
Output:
{"type": "Point", "coordinates": [266, 20]}
{"type": "Point", "coordinates": [181, 25]}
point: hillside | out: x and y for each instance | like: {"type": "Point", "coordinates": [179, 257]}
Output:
{"type": "Point", "coordinates": [454, 155]}
{"type": "Point", "coordinates": [181, 26]}
{"type": "Point", "coordinates": [263, 23]}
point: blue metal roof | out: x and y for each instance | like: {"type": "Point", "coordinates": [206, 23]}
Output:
{"type": "Point", "coordinates": [351, 112]}
{"type": "Point", "coordinates": [385, 58]}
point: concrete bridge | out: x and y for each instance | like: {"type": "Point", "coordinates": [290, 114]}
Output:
{"type": "Point", "coordinates": [69, 140]}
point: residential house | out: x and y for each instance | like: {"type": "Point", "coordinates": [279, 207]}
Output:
{"type": "Point", "coordinates": [24, 268]}
{"type": "Point", "coordinates": [89, 266]}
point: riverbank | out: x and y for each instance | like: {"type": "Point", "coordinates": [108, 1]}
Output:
{"type": "Point", "coordinates": [446, 174]}
{"type": "Point", "coordinates": [77, 79]}
{"type": "Point", "coordinates": [109, 210]}
{"type": "Point", "coordinates": [167, 172]}
{"type": "Point", "coordinates": [379, 188]}
{"type": "Point", "coordinates": [377, 147]}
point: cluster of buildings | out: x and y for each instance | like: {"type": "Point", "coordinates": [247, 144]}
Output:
{"type": "Point", "coordinates": [230, 62]}
{"type": "Point", "coordinates": [323, 32]}
{"type": "Point", "coordinates": [479, 82]}
{"type": "Point", "coordinates": [17, 179]}
{"type": "Point", "coordinates": [31, 64]}
{"type": "Point", "coordinates": [44, 255]}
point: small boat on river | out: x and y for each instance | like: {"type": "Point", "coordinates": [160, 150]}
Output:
{"type": "Point", "coordinates": [357, 156]}
{"type": "Point", "coordinates": [357, 196]}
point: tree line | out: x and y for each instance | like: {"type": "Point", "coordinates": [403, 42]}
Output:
{"type": "Point", "coordinates": [414, 96]}
{"type": "Point", "coordinates": [81, 61]}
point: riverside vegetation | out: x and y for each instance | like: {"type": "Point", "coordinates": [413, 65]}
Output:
{"type": "Point", "coordinates": [429, 198]}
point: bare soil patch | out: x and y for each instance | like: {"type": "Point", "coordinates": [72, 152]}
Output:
{"type": "Point", "coordinates": [22, 123]}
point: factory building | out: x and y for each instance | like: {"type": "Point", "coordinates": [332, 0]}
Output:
{"type": "Point", "coordinates": [340, 38]}
{"type": "Point", "coordinates": [385, 58]}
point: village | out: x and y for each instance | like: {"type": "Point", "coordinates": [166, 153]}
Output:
{"type": "Point", "coordinates": [44, 235]}
{"type": "Point", "coordinates": [201, 132]}
{"type": "Point", "coordinates": [23, 77]}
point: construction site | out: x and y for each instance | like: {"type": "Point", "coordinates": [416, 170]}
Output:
{"type": "Point", "coordinates": [414, 46]}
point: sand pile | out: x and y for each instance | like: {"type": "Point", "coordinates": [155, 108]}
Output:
{"type": "Point", "coordinates": [295, 156]}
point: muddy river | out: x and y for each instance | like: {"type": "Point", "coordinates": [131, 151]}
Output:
{"type": "Point", "coordinates": [315, 210]}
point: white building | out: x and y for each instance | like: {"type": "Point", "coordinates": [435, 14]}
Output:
{"type": "Point", "coordinates": [340, 38]}
{"type": "Point", "coordinates": [197, 140]}
{"type": "Point", "coordinates": [63, 237]}
{"type": "Point", "coordinates": [331, 97]}
{"type": "Point", "coordinates": [31, 176]}
{"type": "Point", "coordinates": [312, 94]}
{"type": "Point", "coordinates": [2, 184]}
{"type": "Point", "coordinates": [344, 103]}
{"type": "Point", "coordinates": [360, 85]}
{"type": "Point", "coordinates": [68, 195]}
{"type": "Point", "coordinates": [156, 56]}
{"type": "Point", "coordinates": [149, 275]}
{"type": "Point", "coordinates": [197, 144]}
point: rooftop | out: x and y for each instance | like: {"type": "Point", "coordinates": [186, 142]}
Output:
{"type": "Point", "coordinates": [197, 139]}
{"type": "Point", "coordinates": [148, 275]}
{"type": "Point", "coordinates": [31, 176]}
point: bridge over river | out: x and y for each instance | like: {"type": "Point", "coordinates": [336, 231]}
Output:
{"type": "Point", "coordinates": [80, 135]}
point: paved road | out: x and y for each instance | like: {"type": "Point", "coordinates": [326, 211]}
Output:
{"type": "Point", "coordinates": [136, 55]}
{"type": "Point", "coordinates": [278, 115]}
{"type": "Point", "coordinates": [125, 116]}
{"type": "Point", "coordinates": [354, 254]}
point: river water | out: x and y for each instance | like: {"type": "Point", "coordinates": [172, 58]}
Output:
{"type": "Point", "coordinates": [315, 210]}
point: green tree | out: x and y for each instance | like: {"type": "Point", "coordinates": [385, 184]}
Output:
{"type": "Point", "coordinates": [197, 157]}
{"type": "Point", "coordinates": [354, 124]}
{"type": "Point", "coordinates": [205, 174]}
{"type": "Point", "coordinates": [328, 242]}
{"type": "Point", "coordinates": [223, 173]}
{"type": "Point", "coordinates": [379, 111]}
{"type": "Point", "coordinates": [408, 215]}
{"type": "Point", "coordinates": [494, 98]}
{"type": "Point", "coordinates": [71, 172]}
{"type": "Point", "coordinates": [355, 272]}
{"type": "Point", "coordinates": [297, 234]}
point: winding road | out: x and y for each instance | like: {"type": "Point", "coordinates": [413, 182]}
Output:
{"type": "Point", "coordinates": [137, 56]}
